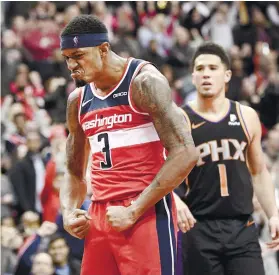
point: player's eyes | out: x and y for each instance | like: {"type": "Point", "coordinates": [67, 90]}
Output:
{"type": "Point", "coordinates": [77, 56]}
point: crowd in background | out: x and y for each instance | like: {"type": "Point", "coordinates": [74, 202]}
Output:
{"type": "Point", "coordinates": [35, 84]}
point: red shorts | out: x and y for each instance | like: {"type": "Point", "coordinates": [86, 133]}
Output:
{"type": "Point", "coordinates": [147, 248]}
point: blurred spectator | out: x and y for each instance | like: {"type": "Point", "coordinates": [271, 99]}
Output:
{"type": "Point", "coordinates": [195, 15]}
{"type": "Point", "coordinates": [48, 239]}
{"type": "Point", "coordinates": [167, 71]}
{"type": "Point", "coordinates": [42, 264]}
{"type": "Point", "coordinates": [101, 11]}
{"type": "Point", "coordinates": [11, 241]}
{"type": "Point", "coordinates": [155, 29]}
{"type": "Point", "coordinates": [54, 174]}
{"type": "Point", "coordinates": [11, 56]}
{"type": "Point", "coordinates": [27, 176]}
{"type": "Point", "coordinates": [34, 244]}
{"type": "Point", "coordinates": [70, 12]}
{"type": "Point", "coordinates": [59, 251]}
{"type": "Point", "coordinates": [7, 197]}
{"type": "Point", "coordinates": [30, 223]}
{"type": "Point", "coordinates": [56, 100]}
{"type": "Point", "coordinates": [271, 145]}
{"type": "Point", "coordinates": [151, 54]}
{"type": "Point", "coordinates": [15, 134]}
{"type": "Point", "coordinates": [181, 53]}
{"type": "Point", "coordinates": [221, 25]}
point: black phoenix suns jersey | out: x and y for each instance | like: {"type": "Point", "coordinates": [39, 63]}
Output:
{"type": "Point", "coordinates": [219, 186]}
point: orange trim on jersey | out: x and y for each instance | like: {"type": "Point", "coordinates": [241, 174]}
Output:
{"type": "Point", "coordinates": [223, 180]}
{"type": "Point", "coordinates": [132, 105]}
{"type": "Point", "coordinates": [187, 118]}
{"type": "Point", "coordinates": [249, 223]}
{"type": "Point", "coordinates": [242, 122]}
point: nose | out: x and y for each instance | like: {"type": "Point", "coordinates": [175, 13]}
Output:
{"type": "Point", "coordinates": [206, 73]}
{"type": "Point", "coordinates": [71, 64]}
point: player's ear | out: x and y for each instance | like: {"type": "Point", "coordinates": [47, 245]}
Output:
{"type": "Point", "coordinates": [104, 49]}
{"type": "Point", "coordinates": [228, 75]}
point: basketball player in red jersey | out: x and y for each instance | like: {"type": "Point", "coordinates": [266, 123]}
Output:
{"type": "Point", "coordinates": [122, 110]}
{"type": "Point", "coordinates": [224, 239]}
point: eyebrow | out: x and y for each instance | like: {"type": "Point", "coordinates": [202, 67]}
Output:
{"type": "Point", "coordinates": [75, 52]}
{"type": "Point", "coordinates": [203, 65]}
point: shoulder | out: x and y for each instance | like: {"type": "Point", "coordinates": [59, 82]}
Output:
{"type": "Point", "coordinates": [251, 120]}
{"type": "Point", "coordinates": [150, 90]}
{"type": "Point", "coordinates": [74, 96]}
{"type": "Point", "coordinates": [248, 112]}
{"type": "Point", "coordinates": [148, 73]}
{"type": "Point", "coordinates": [72, 109]}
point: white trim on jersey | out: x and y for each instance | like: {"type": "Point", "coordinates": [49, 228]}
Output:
{"type": "Point", "coordinates": [170, 236]}
{"type": "Point", "coordinates": [139, 67]}
{"type": "Point", "coordinates": [113, 90]}
{"type": "Point", "coordinates": [126, 137]}
{"type": "Point", "coordinates": [80, 103]}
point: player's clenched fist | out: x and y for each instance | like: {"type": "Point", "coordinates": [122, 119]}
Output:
{"type": "Point", "coordinates": [77, 223]}
{"type": "Point", "coordinates": [185, 219]}
{"type": "Point", "coordinates": [120, 217]}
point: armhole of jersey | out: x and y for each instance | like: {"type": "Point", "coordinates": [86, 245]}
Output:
{"type": "Point", "coordinates": [187, 119]}
{"type": "Point", "coordinates": [242, 122]}
{"type": "Point", "coordinates": [80, 99]}
{"type": "Point", "coordinates": [131, 103]}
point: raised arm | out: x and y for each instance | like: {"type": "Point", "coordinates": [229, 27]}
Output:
{"type": "Point", "coordinates": [262, 183]}
{"type": "Point", "coordinates": [73, 190]}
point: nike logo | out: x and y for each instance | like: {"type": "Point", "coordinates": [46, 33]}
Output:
{"type": "Point", "coordinates": [249, 223]}
{"type": "Point", "coordinates": [84, 103]}
{"type": "Point", "coordinates": [195, 126]}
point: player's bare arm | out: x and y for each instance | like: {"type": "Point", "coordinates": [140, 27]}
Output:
{"type": "Point", "coordinates": [73, 191]}
{"type": "Point", "coordinates": [262, 183]}
{"type": "Point", "coordinates": [151, 94]}
{"type": "Point", "coordinates": [185, 219]}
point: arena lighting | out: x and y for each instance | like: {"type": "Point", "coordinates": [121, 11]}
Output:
{"type": "Point", "coordinates": [162, 4]}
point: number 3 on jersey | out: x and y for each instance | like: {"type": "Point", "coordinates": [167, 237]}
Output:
{"type": "Point", "coordinates": [106, 151]}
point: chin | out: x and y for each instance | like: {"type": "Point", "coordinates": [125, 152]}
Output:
{"type": "Point", "coordinates": [80, 83]}
{"type": "Point", "coordinates": [207, 94]}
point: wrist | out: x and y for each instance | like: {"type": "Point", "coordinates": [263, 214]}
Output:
{"type": "Point", "coordinates": [135, 211]}
{"type": "Point", "coordinates": [275, 216]}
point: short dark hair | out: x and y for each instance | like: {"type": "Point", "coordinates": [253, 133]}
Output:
{"type": "Point", "coordinates": [54, 237]}
{"type": "Point", "coordinates": [84, 24]}
{"type": "Point", "coordinates": [212, 48]}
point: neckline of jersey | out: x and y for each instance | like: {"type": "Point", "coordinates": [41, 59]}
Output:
{"type": "Point", "coordinates": [93, 87]}
{"type": "Point", "coordinates": [207, 120]}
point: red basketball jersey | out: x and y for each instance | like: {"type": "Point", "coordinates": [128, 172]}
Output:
{"type": "Point", "coordinates": [126, 150]}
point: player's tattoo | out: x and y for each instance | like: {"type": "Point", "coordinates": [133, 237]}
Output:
{"type": "Point", "coordinates": [151, 94]}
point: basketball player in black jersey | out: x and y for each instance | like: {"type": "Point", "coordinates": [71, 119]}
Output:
{"type": "Point", "coordinates": [224, 239]}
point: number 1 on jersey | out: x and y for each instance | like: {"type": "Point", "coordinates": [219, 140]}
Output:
{"type": "Point", "coordinates": [223, 180]}
{"type": "Point", "coordinates": [106, 150]}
